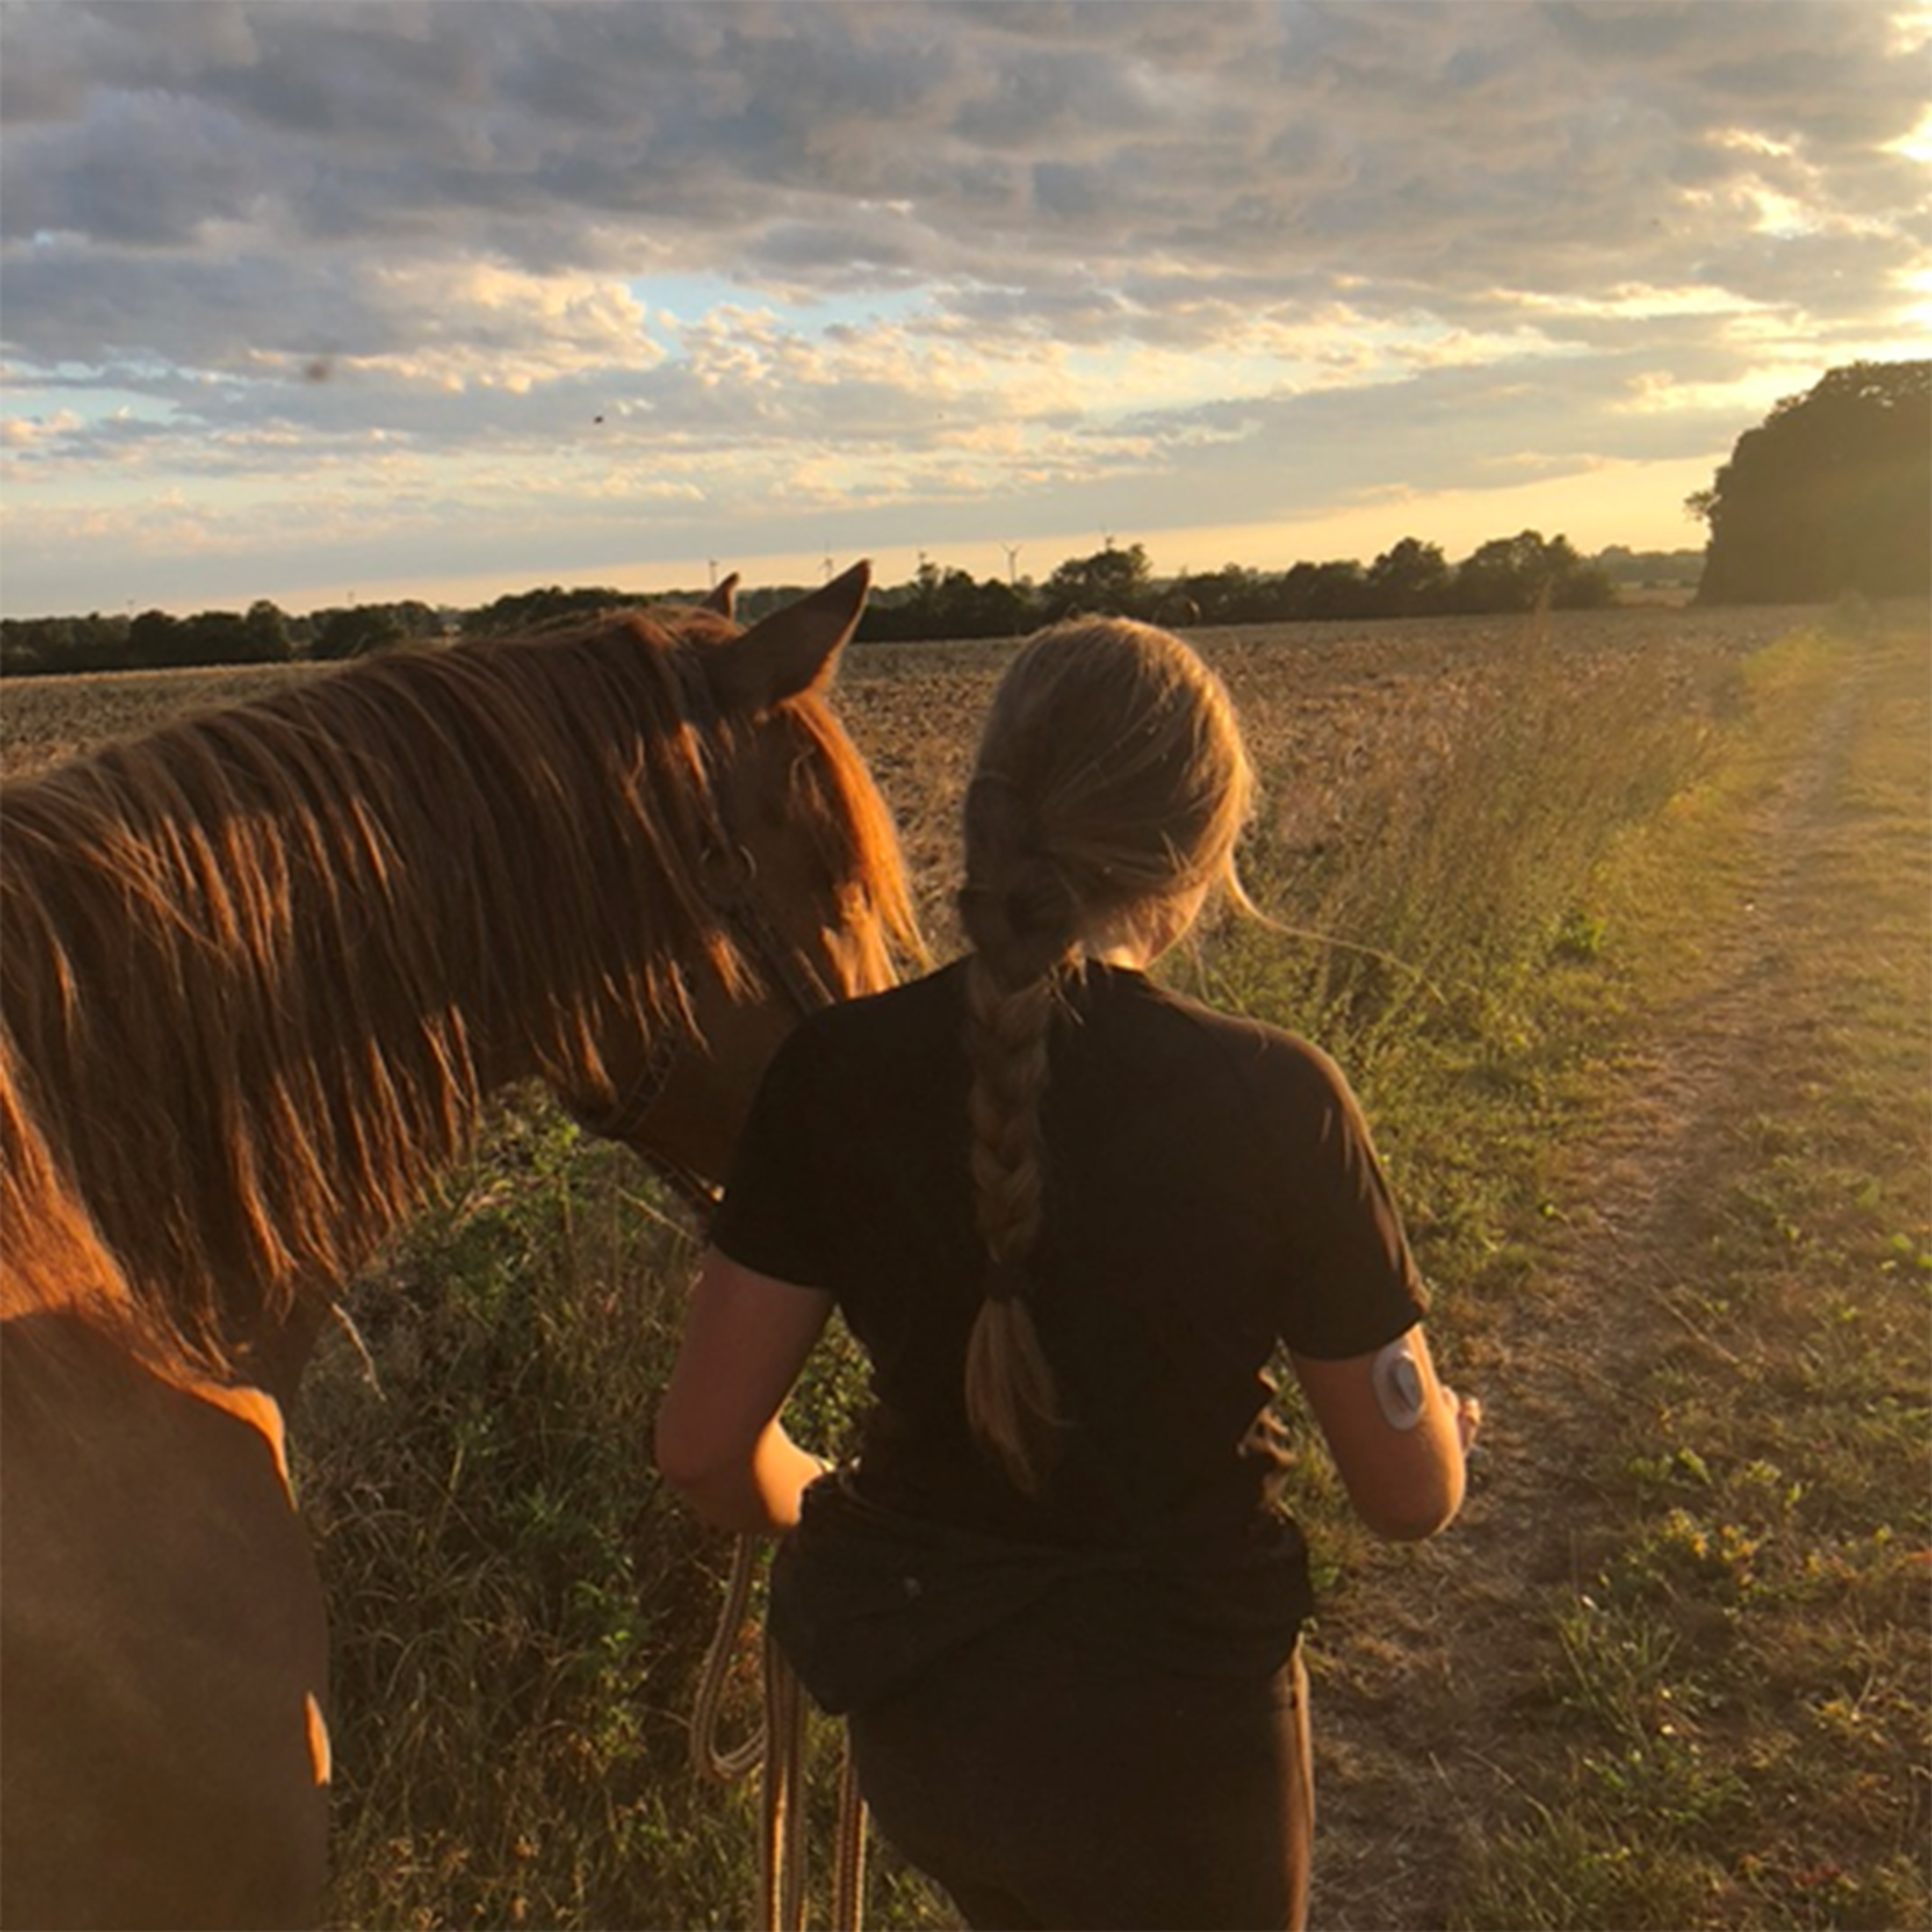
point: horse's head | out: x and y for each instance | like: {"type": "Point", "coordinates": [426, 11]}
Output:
{"type": "Point", "coordinates": [263, 966]}
{"type": "Point", "coordinates": [798, 864]}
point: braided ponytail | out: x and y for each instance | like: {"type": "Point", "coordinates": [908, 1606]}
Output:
{"type": "Point", "coordinates": [1010, 1395]}
{"type": "Point", "coordinates": [1111, 780]}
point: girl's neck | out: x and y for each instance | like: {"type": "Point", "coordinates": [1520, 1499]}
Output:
{"type": "Point", "coordinates": [1139, 938]}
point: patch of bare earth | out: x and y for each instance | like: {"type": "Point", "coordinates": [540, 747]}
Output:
{"type": "Point", "coordinates": [1433, 1674]}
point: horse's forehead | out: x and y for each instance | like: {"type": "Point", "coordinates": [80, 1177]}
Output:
{"type": "Point", "coordinates": [693, 624]}
{"type": "Point", "coordinates": [773, 772]}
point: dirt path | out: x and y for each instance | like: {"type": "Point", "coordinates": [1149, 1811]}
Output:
{"type": "Point", "coordinates": [1431, 1681]}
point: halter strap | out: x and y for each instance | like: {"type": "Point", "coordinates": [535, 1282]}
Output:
{"type": "Point", "coordinates": [758, 936]}
{"type": "Point", "coordinates": [786, 967]}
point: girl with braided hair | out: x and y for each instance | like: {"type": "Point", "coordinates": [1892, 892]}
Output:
{"type": "Point", "coordinates": [1071, 1218]}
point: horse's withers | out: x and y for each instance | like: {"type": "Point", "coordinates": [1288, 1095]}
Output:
{"type": "Point", "coordinates": [164, 1653]}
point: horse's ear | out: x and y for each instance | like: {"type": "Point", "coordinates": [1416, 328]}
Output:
{"type": "Point", "coordinates": [795, 649]}
{"type": "Point", "coordinates": [724, 597]}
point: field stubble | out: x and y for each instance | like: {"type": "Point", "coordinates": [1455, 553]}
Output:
{"type": "Point", "coordinates": [519, 1611]}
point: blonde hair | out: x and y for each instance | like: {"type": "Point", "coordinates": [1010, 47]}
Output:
{"type": "Point", "coordinates": [1111, 786]}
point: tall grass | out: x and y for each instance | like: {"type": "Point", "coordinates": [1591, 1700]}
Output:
{"type": "Point", "coordinates": [1418, 895]}
{"type": "Point", "coordinates": [519, 1610]}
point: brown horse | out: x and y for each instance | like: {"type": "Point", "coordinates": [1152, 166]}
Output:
{"type": "Point", "coordinates": [260, 972]}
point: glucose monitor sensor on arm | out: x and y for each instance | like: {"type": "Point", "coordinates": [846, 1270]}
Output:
{"type": "Point", "coordinates": [1399, 1385]}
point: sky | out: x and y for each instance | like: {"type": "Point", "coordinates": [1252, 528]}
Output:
{"type": "Point", "coordinates": [444, 298]}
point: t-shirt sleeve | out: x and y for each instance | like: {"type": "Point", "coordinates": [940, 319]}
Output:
{"type": "Point", "coordinates": [1350, 1283]}
{"type": "Point", "coordinates": [775, 1216]}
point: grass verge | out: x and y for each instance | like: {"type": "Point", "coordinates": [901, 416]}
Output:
{"type": "Point", "coordinates": [1737, 1713]}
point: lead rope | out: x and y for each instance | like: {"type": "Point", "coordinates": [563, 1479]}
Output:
{"type": "Point", "coordinates": [778, 1743]}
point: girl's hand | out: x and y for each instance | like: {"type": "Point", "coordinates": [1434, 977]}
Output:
{"type": "Point", "coordinates": [1469, 1411]}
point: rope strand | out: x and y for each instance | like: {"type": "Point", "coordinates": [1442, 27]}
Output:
{"type": "Point", "coordinates": [778, 1744]}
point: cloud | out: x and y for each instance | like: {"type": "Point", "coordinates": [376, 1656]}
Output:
{"type": "Point", "coordinates": [1261, 136]}
{"type": "Point", "coordinates": [1205, 251]}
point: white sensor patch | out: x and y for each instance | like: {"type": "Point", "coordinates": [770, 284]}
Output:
{"type": "Point", "coordinates": [1398, 1385]}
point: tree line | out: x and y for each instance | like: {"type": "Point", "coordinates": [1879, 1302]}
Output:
{"type": "Point", "coordinates": [1413, 579]}
{"type": "Point", "coordinates": [155, 640]}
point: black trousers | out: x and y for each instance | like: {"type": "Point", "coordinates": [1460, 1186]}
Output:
{"type": "Point", "coordinates": [1043, 1786]}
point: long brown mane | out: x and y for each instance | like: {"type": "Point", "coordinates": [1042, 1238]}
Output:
{"type": "Point", "coordinates": [254, 964]}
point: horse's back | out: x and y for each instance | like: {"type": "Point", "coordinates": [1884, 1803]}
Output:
{"type": "Point", "coordinates": [162, 1651]}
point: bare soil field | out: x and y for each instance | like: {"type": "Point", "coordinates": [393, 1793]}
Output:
{"type": "Point", "coordinates": [1312, 689]}
{"type": "Point", "coordinates": [1323, 704]}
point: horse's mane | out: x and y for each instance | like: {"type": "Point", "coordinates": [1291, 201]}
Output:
{"type": "Point", "coordinates": [252, 962]}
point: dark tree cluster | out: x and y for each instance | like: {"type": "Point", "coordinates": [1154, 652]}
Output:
{"type": "Point", "coordinates": [950, 603]}
{"type": "Point", "coordinates": [1630, 569]}
{"type": "Point", "coordinates": [92, 643]}
{"type": "Point", "coordinates": [1412, 580]}
{"type": "Point", "coordinates": [1831, 496]}
{"type": "Point", "coordinates": [528, 609]}
{"type": "Point", "coordinates": [155, 640]}
{"type": "Point", "coordinates": [355, 630]}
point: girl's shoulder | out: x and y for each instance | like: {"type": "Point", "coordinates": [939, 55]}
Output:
{"type": "Point", "coordinates": [1254, 1048]}
{"type": "Point", "coordinates": [917, 1016]}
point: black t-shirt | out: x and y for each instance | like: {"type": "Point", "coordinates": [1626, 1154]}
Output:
{"type": "Point", "coordinates": [1211, 1192]}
